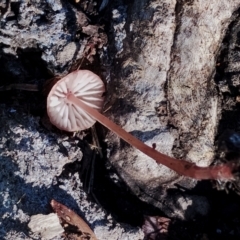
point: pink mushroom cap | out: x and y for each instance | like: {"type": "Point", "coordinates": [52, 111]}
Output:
{"type": "Point", "coordinates": [67, 116]}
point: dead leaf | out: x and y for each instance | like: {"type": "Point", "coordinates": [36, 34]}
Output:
{"type": "Point", "coordinates": [72, 222]}
{"type": "Point", "coordinates": [155, 227]}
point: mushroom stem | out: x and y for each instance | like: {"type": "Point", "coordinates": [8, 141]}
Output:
{"type": "Point", "coordinates": [182, 167]}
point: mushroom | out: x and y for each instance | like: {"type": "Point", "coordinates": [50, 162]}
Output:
{"type": "Point", "coordinates": [74, 103]}
{"type": "Point", "coordinates": [68, 116]}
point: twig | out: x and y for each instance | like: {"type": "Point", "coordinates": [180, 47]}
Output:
{"type": "Point", "coordinates": [20, 86]}
{"type": "Point", "coordinates": [95, 141]}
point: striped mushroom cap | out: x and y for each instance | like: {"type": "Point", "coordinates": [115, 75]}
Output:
{"type": "Point", "coordinates": [65, 115]}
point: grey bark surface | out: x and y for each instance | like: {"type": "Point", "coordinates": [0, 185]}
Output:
{"type": "Point", "coordinates": [166, 92]}
{"type": "Point", "coordinates": [39, 40]}
{"type": "Point", "coordinates": [159, 69]}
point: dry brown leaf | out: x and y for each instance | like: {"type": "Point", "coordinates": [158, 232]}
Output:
{"type": "Point", "coordinates": [155, 227]}
{"type": "Point", "coordinates": [81, 230]}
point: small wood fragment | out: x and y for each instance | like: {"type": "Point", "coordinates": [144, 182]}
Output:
{"type": "Point", "coordinates": [48, 226]}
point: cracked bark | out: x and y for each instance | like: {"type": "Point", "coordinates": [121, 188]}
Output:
{"type": "Point", "coordinates": [168, 58]}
